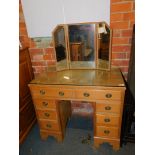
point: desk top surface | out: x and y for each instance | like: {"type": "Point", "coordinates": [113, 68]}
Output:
{"type": "Point", "coordinates": [79, 77]}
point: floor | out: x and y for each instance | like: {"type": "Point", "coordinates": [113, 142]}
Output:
{"type": "Point", "coordinates": [78, 141]}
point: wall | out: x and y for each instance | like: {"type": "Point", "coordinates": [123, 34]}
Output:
{"type": "Point", "coordinates": [121, 21]}
{"type": "Point", "coordinates": [41, 50]}
{"type": "Point", "coordinates": [39, 12]}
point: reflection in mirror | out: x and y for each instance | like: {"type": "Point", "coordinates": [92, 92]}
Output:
{"type": "Point", "coordinates": [82, 45]}
{"type": "Point", "coordinates": [103, 46]}
{"type": "Point", "coordinates": [60, 47]}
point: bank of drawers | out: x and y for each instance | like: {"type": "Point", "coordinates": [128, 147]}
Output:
{"type": "Point", "coordinates": [47, 114]}
{"type": "Point", "coordinates": [108, 118]}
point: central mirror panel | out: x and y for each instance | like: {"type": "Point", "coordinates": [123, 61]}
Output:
{"type": "Point", "coordinates": [82, 46]}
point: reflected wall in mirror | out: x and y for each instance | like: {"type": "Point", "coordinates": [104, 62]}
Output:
{"type": "Point", "coordinates": [82, 45]}
{"type": "Point", "coordinates": [60, 47]}
{"type": "Point", "coordinates": [104, 46]}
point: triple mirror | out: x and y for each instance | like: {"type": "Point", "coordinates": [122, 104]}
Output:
{"type": "Point", "coordinates": [83, 46]}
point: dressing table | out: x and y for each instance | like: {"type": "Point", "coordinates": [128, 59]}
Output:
{"type": "Point", "coordinates": [82, 79]}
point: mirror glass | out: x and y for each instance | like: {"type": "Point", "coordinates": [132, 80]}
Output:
{"type": "Point", "coordinates": [82, 45]}
{"type": "Point", "coordinates": [60, 47]}
{"type": "Point", "coordinates": [104, 44]}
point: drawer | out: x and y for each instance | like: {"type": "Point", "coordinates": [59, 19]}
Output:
{"type": "Point", "coordinates": [63, 93]}
{"type": "Point", "coordinates": [49, 125]}
{"type": "Point", "coordinates": [44, 104]}
{"type": "Point", "coordinates": [84, 94]}
{"type": "Point", "coordinates": [47, 114]}
{"type": "Point", "coordinates": [107, 94]}
{"type": "Point", "coordinates": [47, 91]}
{"type": "Point", "coordinates": [108, 106]}
{"type": "Point", "coordinates": [107, 119]}
{"type": "Point", "coordinates": [102, 131]}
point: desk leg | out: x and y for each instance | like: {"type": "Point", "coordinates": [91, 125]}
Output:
{"type": "Point", "coordinates": [114, 142]}
{"type": "Point", "coordinates": [43, 135]}
{"type": "Point", "coordinates": [58, 136]}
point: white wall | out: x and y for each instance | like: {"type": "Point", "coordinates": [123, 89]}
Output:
{"type": "Point", "coordinates": [41, 16]}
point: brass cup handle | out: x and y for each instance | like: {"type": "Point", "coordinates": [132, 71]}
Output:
{"type": "Point", "coordinates": [47, 114]}
{"type": "Point", "coordinates": [108, 95]}
{"type": "Point", "coordinates": [108, 108]}
{"type": "Point", "coordinates": [61, 93]}
{"type": "Point", "coordinates": [48, 125]}
{"type": "Point", "coordinates": [107, 120]}
{"type": "Point", "coordinates": [45, 104]}
{"type": "Point", "coordinates": [86, 94]}
{"type": "Point", "coordinates": [106, 131]}
{"type": "Point", "coordinates": [42, 92]}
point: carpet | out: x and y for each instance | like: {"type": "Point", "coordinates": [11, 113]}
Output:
{"type": "Point", "coordinates": [76, 142]}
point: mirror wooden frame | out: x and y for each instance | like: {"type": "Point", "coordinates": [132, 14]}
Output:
{"type": "Point", "coordinates": [96, 46]}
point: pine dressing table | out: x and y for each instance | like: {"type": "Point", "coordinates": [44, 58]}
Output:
{"type": "Point", "coordinates": [80, 81]}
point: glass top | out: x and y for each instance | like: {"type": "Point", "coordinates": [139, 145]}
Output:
{"type": "Point", "coordinates": [81, 77]}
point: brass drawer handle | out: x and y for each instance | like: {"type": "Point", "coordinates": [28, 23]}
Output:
{"type": "Point", "coordinates": [47, 114]}
{"type": "Point", "coordinates": [108, 95]}
{"type": "Point", "coordinates": [61, 93]}
{"type": "Point", "coordinates": [108, 108]}
{"type": "Point", "coordinates": [45, 104]}
{"type": "Point", "coordinates": [42, 92]}
{"type": "Point", "coordinates": [48, 125]}
{"type": "Point", "coordinates": [107, 120]}
{"type": "Point", "coordinates": [86, 94]}
{"type": "Point", "coordinates": [106, 131]}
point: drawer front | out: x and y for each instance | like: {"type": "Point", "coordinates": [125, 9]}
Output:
{"type": "Point", "coordinates": [103, 131]}
{"type": "Point", "coordinates": [108, 106]}
{"type": "Point", "coordinates": [107, 94]}
{"type": "Point", "coordinates": [47, 114]}
{"type": "Point", "coordinates": [107, 120]}
{"type": "Point", "coordinates": [63, 93]}
{"type": "Point", "coordinates": [37, 91]}
{"type": "Point", "coordinates": [84, 94]}
{"type": "Point", "coordinates": [49, 125]}
{"type": "Point", "coordinates": [51, 92]}
{"type": "Point", "coordinates": [44, 104]}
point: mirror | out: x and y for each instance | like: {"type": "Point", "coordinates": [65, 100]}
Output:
{"type": "Point", "coordinates": [60, 47]}
{"type": "Point", "coordinates": [82, 45]}
{"type": "Point", "coordinates": [104, 46]}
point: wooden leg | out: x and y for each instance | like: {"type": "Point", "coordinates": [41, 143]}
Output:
{"type": "Point", "coordinates": [116, 146]}
{"type": "Point", "coordinates": [114, 142]}
{"type": "Point", "coordinates": [44, 136]}
{"type": "Point", "coordinates": [96, 145]}
{"type": "Point", "coordinates": [59, 138]}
